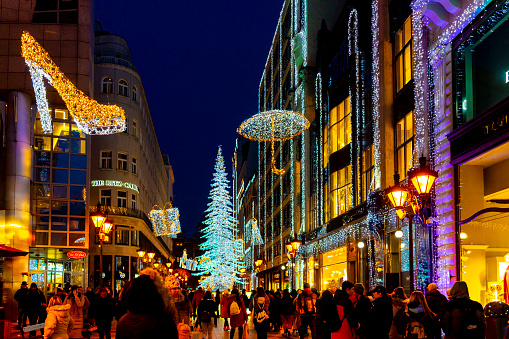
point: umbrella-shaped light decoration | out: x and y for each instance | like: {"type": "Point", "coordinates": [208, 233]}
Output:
{"type": "Point", "coordinates": [165, 220]}
{"type": "Point", "coordinates": [272, 126]}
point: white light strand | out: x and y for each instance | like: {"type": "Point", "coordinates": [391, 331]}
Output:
{"type": "Point", "coordinates": [37, 74]}
{"type": "Point", "coordinates": [353, 49]}
{"type": "Point", "coordinates": [320, 174]}
{"type": "Point", "coordinates": [375, 78]}
{"type": "Point", "coordinates": [419, 68]}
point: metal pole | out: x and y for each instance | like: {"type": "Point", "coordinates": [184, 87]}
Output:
{"type": "Point", "coordinates": [101, 262]}
{"type": "Point", "coordinates": [399, 264]}
{"type": "Point", "coordinates": [411, 253]}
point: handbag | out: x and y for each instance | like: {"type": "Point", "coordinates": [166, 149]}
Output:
{"type": "Point", "coordinates": [245, 333]}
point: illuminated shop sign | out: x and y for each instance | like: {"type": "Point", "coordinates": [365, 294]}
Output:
{"type": "Point", "coordinates": [114, 183]}
{"type": "Point", "coordinates": [76, 254]}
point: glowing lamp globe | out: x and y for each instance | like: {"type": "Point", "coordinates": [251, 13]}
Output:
{"type": "Point", "coordinates": [141, 253]}
{"type": "Point", "coordinates": [397, 195]}
{"type": "Point", "coordinates": [258, 262]}
{"type": "Point", "coordinates": [423, 178]}
{"type": "Point", "coordinates": [398, 234]}
{"type": "Point", "coordinates": [360, 244]}
{"type": "Point", "coordinates": [401, 213]}
{"type": "Point", "coordinates": [151, 255]}
{"type": "Point", "coordinates": [168, 264]}
{"type": "Point", "coordinates": [107, 226]}
{"type": "Point", "coordinates": [98, 217]}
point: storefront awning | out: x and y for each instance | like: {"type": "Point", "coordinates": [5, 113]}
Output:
{"type": "Point", "coordinates": [6, 251]}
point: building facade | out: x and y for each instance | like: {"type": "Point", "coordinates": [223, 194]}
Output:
{"type": "Point", "coordinates": [128, 173]}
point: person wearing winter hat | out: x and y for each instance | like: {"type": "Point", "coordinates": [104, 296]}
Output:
{"type": "Point", "coordinates": [77, 301]}
{"type": "Point", "coordinates": [58, 322]}
{"type": "Point", "coordinates": [382, 310]}
{"type": "Point", "coordinates": [363, 312]}
{"type": "Point", "coordinates": [417, 321]}
{"type": "Point", "coordinates": [306, 307]}
{"type": "Point", "coordinates": [436, 300]}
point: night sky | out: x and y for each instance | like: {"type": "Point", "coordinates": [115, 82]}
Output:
{"type": "Point", "coordinates": [201, 63]}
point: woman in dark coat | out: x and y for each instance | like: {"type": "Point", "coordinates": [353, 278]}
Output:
{"type": "Point", "coordinates": [287, 311]}
{"type": "Point", "coordinates": [417, 317]}
{"type": "Point", "coordinates": [324, 309]}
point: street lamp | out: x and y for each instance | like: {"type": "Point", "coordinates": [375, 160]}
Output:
{"type": "Point", "coordinates": [258, 262]}
{"type": "Point", "coordinates": [406, 204]}
{"type": "Point", "coordinates": [293, 246]}
{"type": "Point", "coordinates": [103, 227]}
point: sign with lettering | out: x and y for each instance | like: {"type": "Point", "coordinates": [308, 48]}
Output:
{"type": "Point", "coordinates": [114, 183]}
{"type": "Point", "coordinates": [76, 254]}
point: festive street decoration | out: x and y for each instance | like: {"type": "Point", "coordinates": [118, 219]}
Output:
{"type": "Point", "coordinates": [165, 220]}
{"type": "Point", "coordinates": [90, 116]}
{"type": "Point", "coordinates": [272, 126]}
{"type": "Point", "coordinates": [219, 264]}
{"type": "Point", "coordinates": [188, 264]}
{"type": "Point", "coordinates": [255, 233]}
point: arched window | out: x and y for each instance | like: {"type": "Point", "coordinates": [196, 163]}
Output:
{"type": "Point", "coordinates": [123, 88]}
{"type": "Point", "coordinates": [107, 85]}
{"type": "Point", "coordinates": [135, 93]}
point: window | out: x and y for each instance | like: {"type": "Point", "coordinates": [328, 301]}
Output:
{"type": "Point", "coordinates": [133, 201]}
{"type": "Point", "coordinates": [56, 12]}
{"type": "Point", "coordinates": [368, 167]}
{"type": "Point", "coordinates": [135, 128]}
{"type": "Point", "coordinates": [135, 238]}
{"type": "Point", "coordinates": [106, 159]}
{"type": "Point", "coordinates": [403, 53]}
{"type": "Point", "coordinates": [340, 192]}
{"type": "Point", "coordinates": [121, 199]}
{"type": "Point", "coordinates": [122, 235]}
{"type": "Point", "coordinates": [105, 197]}
{"type": "Point", "coordinates": [122, 161]}
{"type": "Point", "coordinates": [338, 133]}
{"type": "Point", "coordinates": [135, 93]}
{"type": "Point", "coordinates": [126, 125]}
{"type": "Point", "coordinates": [123, 88]}
{"type": "Point", "coordinates": [134, 165]}
{"type": "Point", "coordinates": [107, 85]}
{"type": "Point", "coordinates": [405, 144]}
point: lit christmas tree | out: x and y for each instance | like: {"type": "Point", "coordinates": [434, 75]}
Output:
{"type": "Point", "coordinates": [222, 259]}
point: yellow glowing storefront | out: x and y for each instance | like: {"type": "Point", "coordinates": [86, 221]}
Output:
{"type": "Point", "coordinates": [334, 268]}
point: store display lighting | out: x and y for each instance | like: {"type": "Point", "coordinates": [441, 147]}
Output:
{"type": "Point", "coordinates": [90, 116]}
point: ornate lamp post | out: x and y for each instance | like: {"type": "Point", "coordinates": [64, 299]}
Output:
{"type": "Point", "coordinates": [407, 204]}
{"type": "Point", "coordinates": [293, 246]}
{"type": "Point", "coordinates": [103, 227]}
{"type": "Point", "coordinates": [258, 262]}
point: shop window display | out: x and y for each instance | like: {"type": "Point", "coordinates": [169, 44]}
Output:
{"type": "Point", "coordinates": [334, 268]}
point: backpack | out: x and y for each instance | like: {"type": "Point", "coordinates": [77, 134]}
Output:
{"type": "Point", "coordinates": [205, 316]}
{"type": "Point", "coordinates": [307, 305]}
{"type": "Point", "coordinates": [415, 330]}
{"type": "Point", "coordinates": [234, 308]}
{"type": "Point", "coordinates": [466, 324]}
{"type": "Point", "coordinates": [261, 315]}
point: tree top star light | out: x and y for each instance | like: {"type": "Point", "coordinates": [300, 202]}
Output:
{"type": "Point", "coordinates": [272, 126]}
{"type": "Point", "coordinates": [90, 116]}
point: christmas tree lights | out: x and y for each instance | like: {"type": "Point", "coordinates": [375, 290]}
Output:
{"type": "Point", "coordinates": [90, 116]}
{"type": "Point", "coordinates": [222, 259]}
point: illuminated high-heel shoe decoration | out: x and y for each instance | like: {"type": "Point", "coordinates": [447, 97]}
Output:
{"type": "Point", "coordinates": [90, 116]}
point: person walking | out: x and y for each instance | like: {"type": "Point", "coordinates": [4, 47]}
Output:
{"type": "Point", "coordinates": [224, 310]}
{"type": "Point", "coordinates": [399, 302]}
{"type": "Point", "coordinates": [197, 297]}
{"type": "Point", "coordinates": [58, 321]}
{"type": "Point", "coordinates": [436, 300]}
{"type": "Point", "coordinates": [34, 301]}
{"type": "Point", "coordinates": [103, 308]}
{"type": "Point", "coordinates": [245, 299]}
{"type": "Point", "coordinates": [275, 312]}
{"type": "Point", "coordinates": [363, 312]}
{"type": "Point", "coordinates": [325, 311]}
{"type": "Point", "coordinates": [237, 313]}
{"type": "Point", "coordinates": [382, 311]}
{"type": "Point", "coordinates": [287, 311]}
{"type": "Point", "coordinates": [206, 311]}
{"type": "Point", "coordinates": [306, 307]}
{"type": "Point", "coordinates": [77, 302]}
{"type": "Point", "coordinates": [20, 296]}
{"type": "Point", "coordinates": [260, 313]}
{"type": "Point", "coordinates": [463, 318]}
{"type": "Point", "coordinates": [417, 321]}
{"type": "Point", "coordinates": [345, 322]}
{"type": "Point", "coordinates": [150, 313]}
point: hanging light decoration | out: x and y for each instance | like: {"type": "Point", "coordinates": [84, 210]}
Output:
{"type": "Point", "coordinates": [272, 126]}
{"type": "Point", "coordinates": [166, 220]}
{"type": "Point", "coordinates": [423, 177]}
{"type": "Point", "coordinates": [90, 116]}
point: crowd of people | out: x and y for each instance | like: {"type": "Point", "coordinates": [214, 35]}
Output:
{"type": "Point", "coordinates": [150, 307]}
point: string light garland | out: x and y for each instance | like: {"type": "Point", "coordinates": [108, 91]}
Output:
{"type": "Point", "coordinates": [90, 116]}
{"type": "Point", "coordinates": [353, 49]}
{"type": "Point", "coordinates": [165, 220]}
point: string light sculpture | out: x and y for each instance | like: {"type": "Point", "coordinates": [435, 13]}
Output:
{"type": "Point", "coordinates": [90, 116]}
{"type": "Point", "coordinates": [272, 126]}
{"type": "Point", "coordinates": [165, 220]}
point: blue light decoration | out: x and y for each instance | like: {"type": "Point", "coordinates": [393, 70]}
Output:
{"type": "Point", "coordinates": [222, 259]}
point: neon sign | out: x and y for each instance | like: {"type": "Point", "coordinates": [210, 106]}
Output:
{"type": "Point", "coordinates": [76, 254]}
{"type": "Point", "coordinates": [114, 183]}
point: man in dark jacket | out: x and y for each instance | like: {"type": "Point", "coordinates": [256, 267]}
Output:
{"type": "Point", "coordinates": [463, 318]}
{"type": "Point", "coordinates": [342, 298]}
{"type": "Point", "coordinates": [103, 307]}
{"type": "Point", "coordinates": [33, 303]}
{"type": "Point", "coordinates": [436, 300]}
{"type": "Point", "coordinates": [363, 312]}
{"type": "Point", "coordinates": [20, 296]}
{"type": "Point", "coordinates": [382, 310]}
{"type": "Point", "coordinates": [306, 306]}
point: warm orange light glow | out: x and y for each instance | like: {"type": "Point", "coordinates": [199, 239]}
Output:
{"type": "Point", "coordinates": [289, 247]}
{"type": "Point", "coordinates": [106, 227]}
{"type": "Point", "coordinates": [398, 196]}
{"type": "Point", "coordinates": [399, 234]}
{"type": "Point", "coordinates": [401, 213]}
{"type": "Point", "coordinates": [259, 262]}
{"type": "Point", "coordinates": [423, 177]}
{"type": "Point", "coordinates": [141, 253]}
{"type": "Point", "coordinates": [151, 255]}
